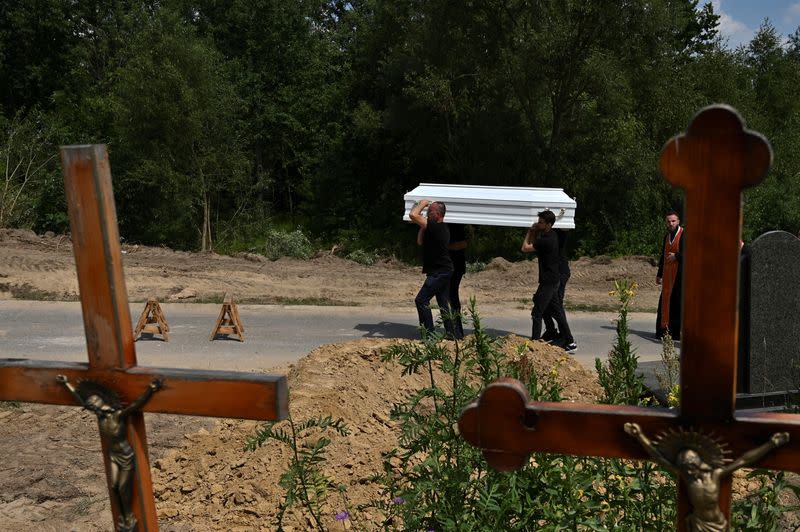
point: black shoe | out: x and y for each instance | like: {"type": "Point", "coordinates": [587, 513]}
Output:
{"type": "Point", "coordinates": [549, 336]}
{"type": "Point", "coordinates": [571, 348]}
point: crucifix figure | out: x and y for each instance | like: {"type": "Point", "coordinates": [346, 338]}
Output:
{"type": "Point", "coordinates": [712, 161]}
{"type": "Point", "coordinates": [112, 363]}
{"type": "Point", "coordinates": [106, 405]}
{"type": "Point", "coordinates": [700, 462]}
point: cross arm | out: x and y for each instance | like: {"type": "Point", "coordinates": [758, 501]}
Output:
{"type": "Point", "coordinates": [185, 391]}
{"type": "Point", "coordinates": [507, 427]}
{"type": "Point", "coordinates": [748, 432]}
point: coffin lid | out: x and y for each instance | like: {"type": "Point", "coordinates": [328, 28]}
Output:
{"type": "Point", "coordinates": [495, 205]}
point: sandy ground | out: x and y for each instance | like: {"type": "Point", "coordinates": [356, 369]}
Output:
{"type": "Point", "coordinates": [51, 476]}
{"type": "Point", "coordinates": [43, 267]}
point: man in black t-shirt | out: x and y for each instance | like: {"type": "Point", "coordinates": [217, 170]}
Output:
{"type": "Point", "coordinates": [542, 239]}
{"type": "Point", "coordinates": [433, 236]}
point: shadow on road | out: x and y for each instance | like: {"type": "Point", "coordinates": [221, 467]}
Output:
{"type": "Point", "coordinates": [647, 335]}
{"type": "Point", "coordinates": [388, 329]}
{"type": "Point", "coordinates": [149, 337]}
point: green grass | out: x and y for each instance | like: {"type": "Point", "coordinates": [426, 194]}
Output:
{"type": "Point", "coordinates": [585, 307]}
{"type": "Point", "coordinates": [217, 299]}
{"type": "Point", "coordinates": [313, 301]}
{"type": "Point", "coordinates": [589, 307]}
{"type": "Point", "coordinates": [29, 293]}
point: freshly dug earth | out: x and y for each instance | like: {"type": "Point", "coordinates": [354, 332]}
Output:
{"type": "Point", "coordinates": [202, 477]}
{"type": "Point", "coordinates": [52, 478]}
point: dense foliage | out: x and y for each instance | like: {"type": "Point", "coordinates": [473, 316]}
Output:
{"type": "Point", "coordinates": [226, 120]}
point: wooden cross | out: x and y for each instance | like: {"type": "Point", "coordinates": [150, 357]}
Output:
{"type": "Point", "coordinates": [110, 344]}
{"type": "Point", "coordinates": [712, 162]}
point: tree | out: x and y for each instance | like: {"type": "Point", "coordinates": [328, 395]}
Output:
{"type": "Point", "coordinates": [28, 160]}
{"type": "Point", "coordinates": [774, 75]}
{"type": "Point", "coordinates": [288, 70]}
{"type": "Point", "coordinates": [177, 135]}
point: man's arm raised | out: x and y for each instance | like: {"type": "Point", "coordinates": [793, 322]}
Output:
{"type": "Point", "coordinates": [527, 243]}
{"type": "Point", "coordinates": [416, 213]}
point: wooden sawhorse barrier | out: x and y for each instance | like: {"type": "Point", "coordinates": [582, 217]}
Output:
{"type": "Point", "coordinates": [152, 321]}
{"type": "Point", "coordinates": [228, 321]}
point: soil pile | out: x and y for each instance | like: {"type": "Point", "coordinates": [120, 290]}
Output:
{"type": "Point", "coordinates": [202, 477]}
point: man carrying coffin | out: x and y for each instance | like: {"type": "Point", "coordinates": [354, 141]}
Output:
{"type": "Point", "coordinates": [434, 237]}
{"type": "Point", "coordinates": [542, 239]}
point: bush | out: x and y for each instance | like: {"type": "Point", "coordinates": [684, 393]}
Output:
{"type": "Point", "coordinates": [365, 258]}
{"type": "Point", "coordinates": [294, 244]}
{"type": "Point", "coordinates": [475, 267]}
{"type": "Point", "coordinates": [618, 376]}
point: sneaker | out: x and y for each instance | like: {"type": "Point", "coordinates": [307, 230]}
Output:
{"type": "Point", "coordinates": [549, 336]}
{"type": "Point", "coordinates": [571, 348]}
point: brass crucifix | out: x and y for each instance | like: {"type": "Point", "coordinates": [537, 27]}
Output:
{"type": "Point", "coordinates": [713, 161]}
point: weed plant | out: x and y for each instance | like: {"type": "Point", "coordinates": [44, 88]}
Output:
{"type": "Point", "coordinates": [365, 258]}
{"type": "Point", "coordinates": [294, 244]}
{"type": "Point", "coordinates": [303, 482]}
{"type": "Point", "coordinates": [618, 375]}
{"type": "Point", "coordinates": [668, 377]}
{"type": "Point", "coordinates": [476, 266]}
{"type": "Point", "coordinates": [763, 509]}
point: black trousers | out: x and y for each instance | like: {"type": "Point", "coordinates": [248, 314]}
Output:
{"type": "Point", "coordinates": [455, 304]}
{"type": "Point", "coordinates": [549, 323]}
{"type": "Point", "coordinates": [546, 296]}
{"type": "Point", "coordinates": [437, 285]}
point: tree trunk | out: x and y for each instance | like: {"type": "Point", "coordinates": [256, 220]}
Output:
{"type": "Point", "coordinates": [206, 244]}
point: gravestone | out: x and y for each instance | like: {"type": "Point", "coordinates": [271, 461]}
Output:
{"type": "Point", "coordinates": [773, 362]}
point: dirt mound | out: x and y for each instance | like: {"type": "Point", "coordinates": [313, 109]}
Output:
{"type": "Point", "coordinates": [498, 263]}
{"type": "Point", "coordinates": [214, 484]}
{"type": "Point", "coordinates": [202, 477]}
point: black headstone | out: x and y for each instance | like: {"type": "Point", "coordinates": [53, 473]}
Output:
{"type": "Point", "coordinates": [774, 340]}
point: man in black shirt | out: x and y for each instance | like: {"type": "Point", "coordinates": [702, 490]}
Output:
{"type": "Point", "coordinates": [542, 239]}
{"type": "Point", "coordinates": [433, 236]}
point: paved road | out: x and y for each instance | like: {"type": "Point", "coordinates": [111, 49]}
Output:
{"type": "Point", "coordinates": [275, 335]}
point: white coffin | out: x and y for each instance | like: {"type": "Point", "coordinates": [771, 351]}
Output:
{"type": "Point", "coordinates": [505, 206]}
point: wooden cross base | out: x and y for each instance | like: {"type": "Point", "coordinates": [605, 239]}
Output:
{"type": "Point", "coordinates": [152, 321]}
{"type": "Point", "coordinates": [228, 321]}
